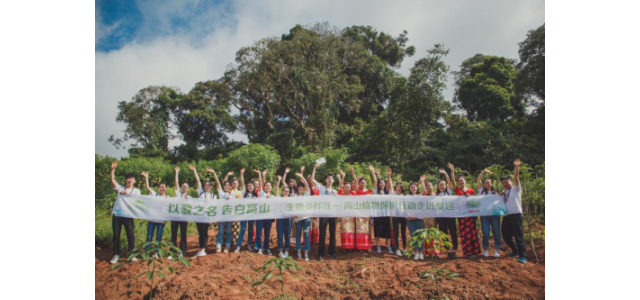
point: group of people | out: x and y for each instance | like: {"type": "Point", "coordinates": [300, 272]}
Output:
{"type": "Point", "coordinates": [355, 232]}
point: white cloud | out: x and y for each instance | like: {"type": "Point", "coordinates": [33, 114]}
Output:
{"type": "Point", "coordinates": [467, 28]}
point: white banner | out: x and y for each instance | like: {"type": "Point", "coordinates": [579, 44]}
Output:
{"type": "Point", "coordinates": [209, 211]}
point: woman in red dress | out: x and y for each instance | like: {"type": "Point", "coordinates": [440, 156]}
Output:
{"type": "Point", "coordinates": [468, 230]}
{"type": "Point", "coordinates": [363, 225]}
{"type": "Point", "coordinates": [347, 225]}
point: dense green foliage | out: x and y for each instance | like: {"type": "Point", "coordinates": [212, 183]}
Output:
{"type": "Point", "coordinates": [318, 87]}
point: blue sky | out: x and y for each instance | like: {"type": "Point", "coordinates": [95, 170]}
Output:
{"type": "Point", "coordinates": [179, 43]}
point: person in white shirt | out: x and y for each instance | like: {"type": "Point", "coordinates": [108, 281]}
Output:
{"type": "Point", "coordinates": [203, 228]}
{"type": "Point", "coordinates": [118, 222]}
{"type": "Point", "coordinates": [302, 224]}
{"type": "Point", "coordinates": [490, 224]}
{"type": "Point", "coordinates": [512, 222]}
{"type": "Point", "coordinates": [381, 225]}
{"type": "Point", "coordinates": [249, 193]}
{"type": "Point", "coordinates": [154, 226]}
{"type": "Point", "coordinates": [182, 191]}
{"type": "Point", "coordinates": [264, 224]}
{"type": "Point", "coordinates": [399, 223]}
{"type": "Point", "coordinates": [283, 226]}
{"type": "Point", "coordinates": [227, 193]}
{"type": "Point", "coordinates": [447, 225]}
{"type": "Point", "coordinates": [331, 222]}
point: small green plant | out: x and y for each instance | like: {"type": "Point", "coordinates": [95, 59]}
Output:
{"type": "Point", "coordinates": [281, 265]}
{"type": "Point", "coordinates": [153, 256]}
{"type": "Point", "coordinates": [441, 241]}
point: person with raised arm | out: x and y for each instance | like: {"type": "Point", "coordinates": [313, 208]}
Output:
{"type": "Point", "coordinates": [182, 191]}
{"type": "Point", "coordinates": [227, 193]}
{"type": "Point", "coordinates": [283, 226]}
{"type": "Point", "coordinates": [237, 191]}
{"type": "Point", "coordinates": [154, 226]}
{"type": "Point", "coordinates": [363, 225]}
{"type": "Point", "coordinates": [490, 224]}
{"type": "Point", "coordinates": [399, 223]}
{"type": "Point", "coordinates": [447, 225]}
{"type": "Point", "coordinates": [512, 222]}
{"type": "Point", "coordinates": [118, 222]}
{"type": "Point", "coordinates": [468, 230]}
{"type": "Point", "coordinates": [331, 222]}
{"type": "Point", "coordinates": [203, 228]}
{"type": "Point", "coordinates": [416, 224]}
{"type": "Point", "coordinates": [302, 223]}
{"type": "Point", "coordinates": [432, 247]}
{"type": "Point", "coordinates": [314, 230]}
{"type": "Point", "coordinates": [249, 193]}
{"type": "Point", "coordinates": [347, 225]}
{"type": "Point", "coordinates": [264, 225]}
{"type": "Point", "coordinates": [381, 225]}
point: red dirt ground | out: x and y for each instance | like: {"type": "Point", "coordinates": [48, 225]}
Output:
{"type": "Point", "coordinates": [351, 276]}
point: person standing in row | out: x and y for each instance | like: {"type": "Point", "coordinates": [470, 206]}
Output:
{"type": "Point", "coordinates": [468, 231]}
{"type": "Point", "coordinates": [324, 222]}
{"type": "Point", "coordinates": [512, 222]}
{"type": "Point", "coordinates": [363, 225]}
{"type": "Point", "coordinates": [314, 229]}
{"type": "Point", "coordinates": [154, 226]}
{"type": "Point", "coordinates": [347, 225]}
{"type": "Point", "coordinates": [249, 193]}
{"type": "Point", "coordinates": [182, 191]}
{"type": "Point", "coordinates": [225, 194]}
{"type": "Point", "coordinates": [302, 223]}
{"type": "Point", "coordinates": [447, 225]}
{"type": "Point", "coordinates": [431, 248]}
{"type": "Point", "coordinates": [118, 222]}
{"type": "Point", "coordinates": [399, 224]}
{"type": "Point", "coordinates": [490, 224]}
{"type": "Point", "coordinates": [416, 224]}
{"type": "Point", "coordinates": [283, 226]}
{"type": "Point", "coordinates": [264, 225]}
{"type": "Point", "coordinates": [381, 225]}
{"type": "Point", "coordinates": [203, 228]}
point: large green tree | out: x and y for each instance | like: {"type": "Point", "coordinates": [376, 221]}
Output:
{"type": "Point", "coordinates": [531, 66]}
{"type": "Point", "coordinates": [149, 119]}
{"type": "Point", "coordinates": [309, 87]}
{"type": "Point", "coordinates": [489, 93]}
{"type": "Point", "coordinates": [416, 105]}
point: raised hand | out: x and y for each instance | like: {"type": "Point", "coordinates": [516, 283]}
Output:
{"type": "Point", "coordinates": [339, 177]}
{"type": "Point", "coordinates": [177, 168]}
{"type": "Point", "coordinates": [351, 168]}
{"type": "Point", "coordinates": [143, 173]}
{"type": "Point", "coordinates": [114, 165]}
{"type": "Point", "coordinates": [230, 173]}
{"type": "Point", "coordinates": [316, 166]}
{"type": "Point", "coordinates": [302, 170]}
{"type": "Point", "coordinates": [442, 171]}
{"type": "Point", "coordinates": [389, 171]}
{"type": "Point", "coordinates": [299, 175]}
{"type": "Point", "coordinates": [517, 162]}
{"type": "Point", "coordinates": [450, 166]}
{"type": "Point", "coordinates": [279, 177]}
{"type": "Point", "coordinates": [372, 168]}
{"type": "Point", "coordinates": [241, 171]}
{"type": "Point", "coordinates": [191, 167]}
{"type": "Point", "coordinates": [287, 169]}
{"type": "Point", "coordinates": [487, 171]}
{"type": "Point", "coordinates": [210, 170]}
{"type": "Point", "coordinates": [423, 177]}
{"type": "Point", "coordinates": [264, 173]}
{"type": "Point", "coordinates": [257, 171]}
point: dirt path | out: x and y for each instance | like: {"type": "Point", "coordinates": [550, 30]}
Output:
{"type": "Point", "coordinates": [351, 276]}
